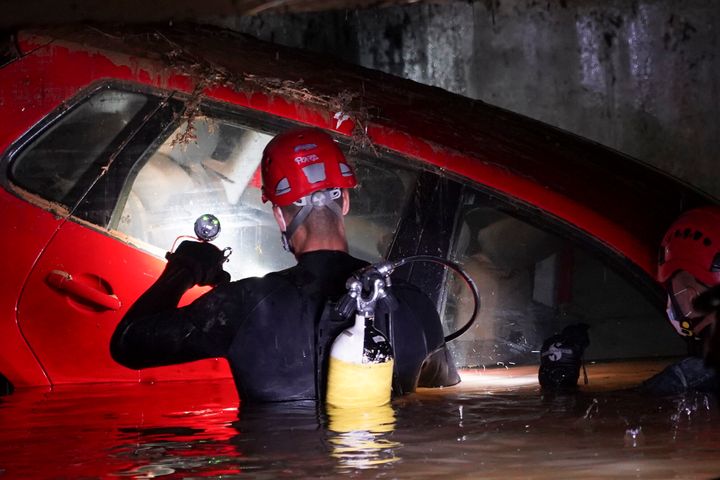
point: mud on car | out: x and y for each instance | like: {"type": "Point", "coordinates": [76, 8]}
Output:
{"type": "Point", "coordinates": [115, 140]}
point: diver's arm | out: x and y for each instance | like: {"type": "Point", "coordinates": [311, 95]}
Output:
{"type": "Point", "coordinates": [155, 332]}
{"type": "Point", "coordinates": [421, 356]}
{"type": "Point", "coordinates": [438, 369]}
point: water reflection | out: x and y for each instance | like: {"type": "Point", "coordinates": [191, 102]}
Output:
{"type": "Point", "coordinates": [360, 437]}
{"type": "Point", "coordinates": [473, 431]}
{"type": "Point", "coordinates": [287, 439]}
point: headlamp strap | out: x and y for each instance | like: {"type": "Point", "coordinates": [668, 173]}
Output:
{"type": "Point", "coordinates": [319, 199]}
{"type": "Point", "coordinates": [298, 220]}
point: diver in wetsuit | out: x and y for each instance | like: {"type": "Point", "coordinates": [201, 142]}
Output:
{"type": "Point", "coordinates": [688, 267]}
{"type": "Point", "coordinates": [267, 327]}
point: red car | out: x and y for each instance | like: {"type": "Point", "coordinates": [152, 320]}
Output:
{"type": "Point", "coordinates": [114, 141]}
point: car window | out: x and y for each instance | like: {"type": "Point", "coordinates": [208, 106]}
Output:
{"type": "Point", "coordinates": [377, 205]}
{"type": "Point", "coordinates": [210, 165]}
{"type": "Point", "coordinates": [62, 161]}
{"type": "Point", "coordinates": [532, 284]}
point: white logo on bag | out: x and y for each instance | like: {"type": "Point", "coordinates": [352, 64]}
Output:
{"type": "Point", "coordinates": [555, 352]}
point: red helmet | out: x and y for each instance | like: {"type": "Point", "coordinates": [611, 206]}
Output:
{"type": "Point", "coordinates": [692, 244]}
{"type": "Point", "coordinates": [301, 161]}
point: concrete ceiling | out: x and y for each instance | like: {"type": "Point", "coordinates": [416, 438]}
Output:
{"type": "Point", "coordinates": [17, 14]}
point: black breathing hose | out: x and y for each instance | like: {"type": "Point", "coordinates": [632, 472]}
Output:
{"type": "Point", "coordinates": [455, 267]}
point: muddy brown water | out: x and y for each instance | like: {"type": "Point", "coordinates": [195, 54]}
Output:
{"type": "Point", "coordinates": [496, 425]}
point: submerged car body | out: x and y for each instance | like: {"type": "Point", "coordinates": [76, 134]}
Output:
{"type": "Point", "coordinates": [113, 141]}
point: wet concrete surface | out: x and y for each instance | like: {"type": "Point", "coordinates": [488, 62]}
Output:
{"type": "Point", "coordinates": [640, 77]}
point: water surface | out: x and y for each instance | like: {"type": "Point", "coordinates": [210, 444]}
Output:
{"type": "Point", "coordinates": [497, 424]}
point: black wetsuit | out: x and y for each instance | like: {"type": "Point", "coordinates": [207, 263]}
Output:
{"type": "Point", "coordinates": [267, 329]}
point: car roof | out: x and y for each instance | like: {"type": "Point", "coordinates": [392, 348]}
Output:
{"type": "Point", "coordinates": [621, 202]}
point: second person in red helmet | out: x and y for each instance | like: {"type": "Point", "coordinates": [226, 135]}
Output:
{"type": "Point", "coordinates": [689, 268]}
{"type": "Point", "coordinates": [267, 327]}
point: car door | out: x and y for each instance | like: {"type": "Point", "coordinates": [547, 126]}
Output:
{"type": "Point", "coordinates": [78, 288]}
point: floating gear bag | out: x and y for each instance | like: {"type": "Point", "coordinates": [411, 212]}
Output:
{"type": "Point", "coordinates": [561, 357]}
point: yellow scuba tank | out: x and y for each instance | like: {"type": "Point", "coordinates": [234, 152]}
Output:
{"type": "Point", "coordinates": [361, 361]}
{"type": "Point", "coordinates": [361, 358]}
{"type": "Point", "coordinates": [361, 367]}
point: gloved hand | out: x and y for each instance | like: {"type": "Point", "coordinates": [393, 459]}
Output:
{"type": "Point", "coordinates": [202, 259]}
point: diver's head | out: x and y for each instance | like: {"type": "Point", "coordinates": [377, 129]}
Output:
{"type": "Point", "coordinates": [689, 264]}
{"type": "Point", "coordinates": [305, 175]}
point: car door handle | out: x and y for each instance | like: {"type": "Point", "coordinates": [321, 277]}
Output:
{"type": "Point", "coordinates": [64, 282]}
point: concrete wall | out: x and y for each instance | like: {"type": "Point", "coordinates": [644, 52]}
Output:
{"type": "Point", "coordinates": [639, 76]}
